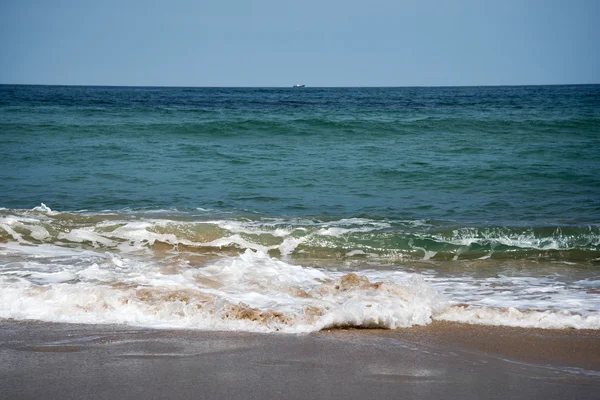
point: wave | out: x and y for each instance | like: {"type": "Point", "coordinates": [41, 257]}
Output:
{"type": "Point", "coordinates": [187, 269]}
{"type": "Point", "coordinates": [379, 125]}
{"type": "Point", "coordinates": [250, 292]}
{"type": "Point", "coordinates": [198, 231]}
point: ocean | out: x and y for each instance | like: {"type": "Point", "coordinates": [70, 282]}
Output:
{"type": "Point", "coordinates": [300, 209]}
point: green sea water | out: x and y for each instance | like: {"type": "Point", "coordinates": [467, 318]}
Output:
{"type": "Point", "coordinates": [490, 194]}
{"type": "Point", "coordinates": [472, 162]}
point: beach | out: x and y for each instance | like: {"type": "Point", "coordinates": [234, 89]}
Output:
{"type": "Point", "coordinates": [320, 200]}
{"type": "Point", "coordinates": [442, 360]}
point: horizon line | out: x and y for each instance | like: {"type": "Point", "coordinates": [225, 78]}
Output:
{"type": "Point", "coordinates": [291, 87]}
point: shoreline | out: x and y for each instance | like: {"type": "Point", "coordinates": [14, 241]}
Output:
{"type": "Point", "coordinates": [570, 348]}
{"type": "Point", "coordinates": [453, 360]}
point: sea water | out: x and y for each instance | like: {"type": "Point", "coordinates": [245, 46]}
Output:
{"type": "Point", "coordinates": [299, 209]}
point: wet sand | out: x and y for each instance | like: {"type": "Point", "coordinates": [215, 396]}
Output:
{"type": "Point", "coordinates": [442, 360]}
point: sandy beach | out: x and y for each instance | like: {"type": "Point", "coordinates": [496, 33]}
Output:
{"type": "Point", "coordinates": [442, 360]}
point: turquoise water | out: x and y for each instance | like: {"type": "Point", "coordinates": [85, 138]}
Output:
{"type": "Point", "coordinates": [491, 159]}
{"type": "Point", "coordinates": [491, 194]}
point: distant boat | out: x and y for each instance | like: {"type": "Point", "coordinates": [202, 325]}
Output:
{"type": "Point", "coordinates": [298, 85]}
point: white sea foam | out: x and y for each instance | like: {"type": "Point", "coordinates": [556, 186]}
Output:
{"type": "Point", "coordinates": [85, 235]}
{"type": "Point", "coordinates": [7, 224]}
{"type": "Point", "coordinates": [355, 253]}
{"type": "Point", "coordinates": [82, 268]}
{"type": "Point", "coordinates": [286, 228]}
{"type": "Point", "coordinates": [249, 292]}
{"type": "Point", "coordinates": [591, 283]}
{"type": "Point", "coordinates": [520, 318]}
{"type": "Point", "coordinates": [43, 208]}
{"type": "Point", "coordinates": [289, 245]}
{"type": "Point", "coordinates": [43, 251]}
{"type": "Point", "coordinates": [524, 240]}
{"type": "Point", "coordinates": [549, 293]}
{"type": "Point", "coordinates": [427, 254]}
{"type": "Point", "coordinates": [133, 233]}
{"type": "Point", "coordinates": [238, 241]}
{"type": "Point", "coordinates": [339, 231]}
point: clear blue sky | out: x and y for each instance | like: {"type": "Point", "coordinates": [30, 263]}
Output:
{"type": "Point", "coordinates": [316, 42]}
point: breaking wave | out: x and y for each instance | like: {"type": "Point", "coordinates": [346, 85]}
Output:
{"type": "Point", "coordinates": [297, 275]}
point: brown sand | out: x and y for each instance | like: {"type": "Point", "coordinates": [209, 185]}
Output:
{"type": "Point", "coordinates": [565, 347]}
{"type": "Point", "coordinates": [442, 360]}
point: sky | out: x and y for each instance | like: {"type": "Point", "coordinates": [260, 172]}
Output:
{"type": "Point", "coordinates": [314, 42]}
